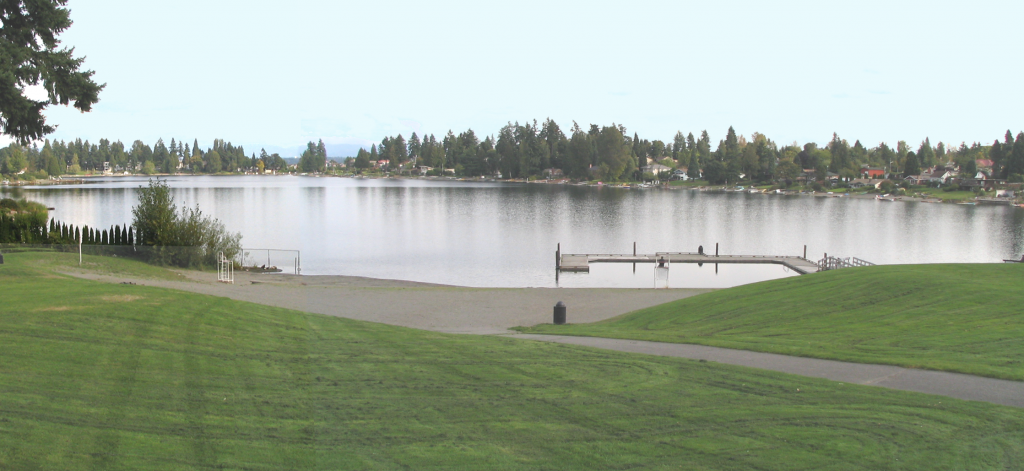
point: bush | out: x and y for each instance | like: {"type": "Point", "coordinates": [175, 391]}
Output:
{"type": "Point", "coordinates": [817, 186]}
{"type": "Point", "coordinates": [192, 239]}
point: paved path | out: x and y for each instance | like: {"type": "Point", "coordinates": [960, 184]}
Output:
{"type": "Point", "coordinates": [960, 386]}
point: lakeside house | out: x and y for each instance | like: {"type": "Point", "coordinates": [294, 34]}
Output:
{"type": "Point", "coordinates": [550, 173]}
{"type": "Point", "coordinates": [657, 169]}
{"type": "Point", "coordinates": [871, 173]}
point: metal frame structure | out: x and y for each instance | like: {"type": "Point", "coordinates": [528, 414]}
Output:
{"type": "Point", "coordinates": [225, 269]}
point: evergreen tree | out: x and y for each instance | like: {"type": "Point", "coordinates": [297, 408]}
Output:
{"type": "Point", "coordinates": [693, 169]}
{"type": "Point", "coordinates": [31, 56]}
{"type": "Point", "coordinates": [911, 165]}
{"type": "Point", "coordinates": [103, 240]}
{"type": "Point", "coordinates": [1015, 170]}
{"type": "Point", "coordinates": [679, 147]}
{"type": "Point", "coordinates": [414, 147]}
{"type": "Point", "coordinates": [925, 154]}
{"type": "Point", "coordinates": [131, 236]}
{"type": "Point", "coordinates": [996, 154]}
{"type": "Point", "coordinates": [78, 235]}
{"type": "Point", "coordinates": [117, 235]}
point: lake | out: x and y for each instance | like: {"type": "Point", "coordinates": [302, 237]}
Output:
{"type": "Point", "coordinates": [504, 234]}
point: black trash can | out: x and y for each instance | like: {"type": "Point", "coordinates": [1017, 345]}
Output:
{"type": "Point", "coordinates": [560, 313]}
{"type": "Point", "coordinates": [1, 259]}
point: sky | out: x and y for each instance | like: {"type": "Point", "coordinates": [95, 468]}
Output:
{"type": "Point", "coordinates": [277, 74]}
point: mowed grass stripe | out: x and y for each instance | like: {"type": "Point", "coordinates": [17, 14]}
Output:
{"type": "Point", "coordinates": [100, 376]}
{"type": "Point", "coordinates": [966, 318]}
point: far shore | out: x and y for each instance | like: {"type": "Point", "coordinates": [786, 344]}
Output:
{"type": "Point", "coordinates": [834, 193]}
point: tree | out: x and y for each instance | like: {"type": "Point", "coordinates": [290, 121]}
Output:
{"type": "Point", "coordinates": [579, 154]}
{"type": "Point", "coordinates": [154, 218]}
{"type": "Point", "coordinates": [28, 45]}
{"type": "Point", "coordinates": [911, 165]}
{"type": "Point", "coordinates": [362, 159]}
{"type": "Point", "coordinates": [612, 152]}
{"type": "Point", "coordinates": [693, 169]}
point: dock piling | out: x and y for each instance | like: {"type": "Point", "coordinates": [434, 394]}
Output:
{"type": "Point", "coordinates": [716, 254]}
{"type": "Point", "coordinates": [558, 256]}
{"type": "Point", "coordinates": [805, 251]}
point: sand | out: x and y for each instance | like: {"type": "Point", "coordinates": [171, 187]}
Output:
{"type": "Point", "coordinates": [418, 305]}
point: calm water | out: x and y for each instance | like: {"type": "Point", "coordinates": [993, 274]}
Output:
{"type": "Point", "coordinates": [499, 234]}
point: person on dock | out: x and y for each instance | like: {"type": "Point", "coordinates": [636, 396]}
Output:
{"type": "Point", "coordinates": [661, 262]}
{"type": "Point", "coordinates": [700, 250]}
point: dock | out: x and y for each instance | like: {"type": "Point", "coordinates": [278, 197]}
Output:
{"type": "Point", "coordinates": [581, 262]}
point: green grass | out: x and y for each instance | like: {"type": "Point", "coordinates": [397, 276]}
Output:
{"type": "Point", "coordinates": [962, 318]}
{"type": "Point", "coordinates": [67, 262]}
{"type": "Point", "coordinates": [106, 376]}
{"type": "Point", "coordinates": [950, 195]}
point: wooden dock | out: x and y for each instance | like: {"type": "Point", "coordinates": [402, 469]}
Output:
{"type": "Point", "coordinates": [581, 262]}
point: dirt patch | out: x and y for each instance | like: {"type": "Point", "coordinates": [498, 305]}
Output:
{"type": "Point", "coordinates": [54, 308]}
{"type": "Point", "coordinates": [121, 298]}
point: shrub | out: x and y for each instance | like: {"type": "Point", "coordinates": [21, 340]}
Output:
{"type": "Point", "coordinates": [183, 238]}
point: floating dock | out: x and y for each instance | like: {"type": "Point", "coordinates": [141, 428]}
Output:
{"type": "Point", "coordinates": [581, 262]}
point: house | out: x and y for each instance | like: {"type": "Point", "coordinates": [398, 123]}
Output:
{"type": "Point", "coordinates": [679, 174]}
{"type": "Point", "coordinates": [381, 163]}
{"type": "Point", "coordinates": [918, 179]}
{"type": "Point", "coordinates": [984, 163]}
{"type": "Point", "coordinates": [872, 172]}
{"type": "Point", "coordinates": [424, 169]}
{"type": "Point", "coordinates": [553, 173]}
{"type": "Point", "coordinates": [860, 182]}
{"type": "Point", "coordinates": [1004, 193]}
{"type": "Point", "coordinates": [658, 169]}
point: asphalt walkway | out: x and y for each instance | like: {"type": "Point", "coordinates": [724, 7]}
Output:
{"type": "Point", "coordinates": [960, 386]}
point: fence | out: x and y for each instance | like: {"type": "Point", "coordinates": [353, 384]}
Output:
{"type": "Point", "coordinates": [270, 260]}
{"type": "Point", "coordinates": [835, 263]}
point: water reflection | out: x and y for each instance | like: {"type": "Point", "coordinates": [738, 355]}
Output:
{"type": "Point", "coordinates": [494, 234]}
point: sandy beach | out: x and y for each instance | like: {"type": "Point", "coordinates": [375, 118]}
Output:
{"type": "Point", "coordinates": [426, 306]}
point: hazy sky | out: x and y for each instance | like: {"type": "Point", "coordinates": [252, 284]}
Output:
{"type": "Point", "coordinates": [278, 74]}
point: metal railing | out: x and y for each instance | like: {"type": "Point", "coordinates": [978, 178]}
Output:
{"type": "Point", "coordinates": [835, 263]}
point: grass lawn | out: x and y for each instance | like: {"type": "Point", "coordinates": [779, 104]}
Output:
{"type": "Point", "coordinates": [105, 376]}
{"type": "Point", "coordinates": [950, 195]}
{"type": "Point", "coordinates": [963, 318]}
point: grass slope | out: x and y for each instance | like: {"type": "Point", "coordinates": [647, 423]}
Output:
{"type": "Point", "coordinates": [963, 318]}
{"type": "Point", "coordinates": [103, 376]}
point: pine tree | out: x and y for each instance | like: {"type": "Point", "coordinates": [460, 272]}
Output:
{"type": "Point", "coordinates": [131, 237]}
{"type": "Point", "coordinates": [911, 165]}
{"type": "Point", "coordinates": [117, 235]}
{"type": "Point", "coordinates": [78, 236]}
{"type": "Point", "coordinates": [104, 240]}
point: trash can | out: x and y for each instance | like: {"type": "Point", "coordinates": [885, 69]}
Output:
{"type": "Point", "coordinates": [1, 259]}
{"type": "Point", "coordinates": [560, 313]}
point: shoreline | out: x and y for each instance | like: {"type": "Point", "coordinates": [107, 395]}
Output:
{"type": "Point", "coordinates": [1017, 202]}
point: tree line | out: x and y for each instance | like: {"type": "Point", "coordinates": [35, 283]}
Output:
{"type": "Point", "coordinates": [60, 158]}
{"type": "Point", "coordinates": [609, 153]}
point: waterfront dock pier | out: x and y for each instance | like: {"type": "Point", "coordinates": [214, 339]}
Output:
{"type": "Point", "coordinates": [581, 262]}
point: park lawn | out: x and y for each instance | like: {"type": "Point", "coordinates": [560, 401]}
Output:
{"type": "Point", "coordinates": [950, 195]}
{"type": "Point", "coordinates": [966, 318]}
{"type": "Point", "coordinates": [107, 376]}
